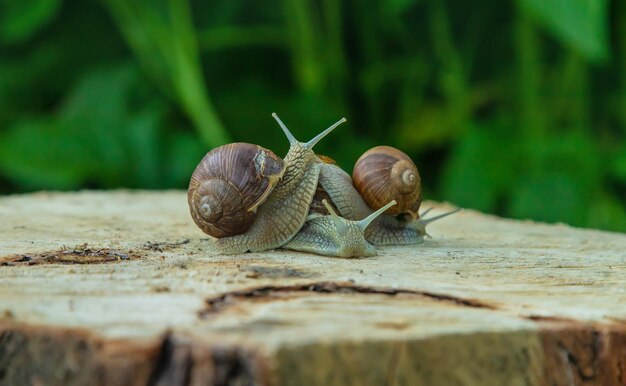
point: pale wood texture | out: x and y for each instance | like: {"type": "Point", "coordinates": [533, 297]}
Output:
{"type": "Point", "coordinates": [103, 288]}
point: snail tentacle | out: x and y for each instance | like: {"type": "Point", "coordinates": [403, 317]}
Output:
{"type": "Point", "coordinates": [332, 235]}
{"type": "Point", "coordinates": [385, 229]}
{"type": "Point", "coordinates": [286, 209]}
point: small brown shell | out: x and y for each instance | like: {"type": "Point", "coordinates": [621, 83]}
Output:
{"type": "Point", "coordinates": [326, 159]}
{"type": "Point", "coordinates": [229, 184]}
{"type": "Point", "coordinates": [317, 207]}
{"type": "Point", "coordinates": [384, 173]}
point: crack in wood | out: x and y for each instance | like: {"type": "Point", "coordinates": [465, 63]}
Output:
{"type": "Point", "coordinates": [83, 254]}
{"type": "Point", "coordinates": [80, 254]}
{"type": "Point", "coordinates": [172, 365]}
{"type": "Point", "coordinates": [218, 303]}
{"type": "Point", "coordinates": [186, 363]}
{"type": "Point", "coordinates": [272, 272]}
{"type": "Point", "coordinates": [164, 246]}
{"type": "Point", "coordinates": [584, 353]}
{"type": "Point", "coordinates": [550, 319]}
{"type": "Point", "coordinates": [573, 361]}
{"type": "Point", "coordinates": [57, 356]}
{"type": "Point", "coordinates": [394, 362]}
{"type": "Point", "coordinates": [585, 372]}
{"type": "Point", "coordinates": [232, 367]}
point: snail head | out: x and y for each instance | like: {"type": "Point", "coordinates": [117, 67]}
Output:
{"type": "Point", "coordinates": [301, 149]}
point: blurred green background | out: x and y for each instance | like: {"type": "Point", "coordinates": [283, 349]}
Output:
{"type": "Point", "coordinates": [512, 107]}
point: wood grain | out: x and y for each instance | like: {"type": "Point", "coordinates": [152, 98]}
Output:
{"type": "Point", "coordinates": [107, 288]}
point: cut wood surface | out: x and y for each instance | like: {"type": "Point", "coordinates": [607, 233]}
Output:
{"type": "Point", "coordinates": [108, 288]}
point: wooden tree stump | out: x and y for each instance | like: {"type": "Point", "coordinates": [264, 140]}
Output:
{"type": "Point", "coordinates": [120, 288]}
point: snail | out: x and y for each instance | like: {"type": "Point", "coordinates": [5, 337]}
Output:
{"type": "Point", "coordinates": [229, 184]}
{"type": "Point", "coordinates": [384, 173]}
{"type": "Point", "coordinates": [332, 235]}
{"type": "Point", "coordinates": [279, 204]}
{"type": "Point", "coordinates": [378, 173]}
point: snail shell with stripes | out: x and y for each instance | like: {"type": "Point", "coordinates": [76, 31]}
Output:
{"type": "Point", "coordinates": [381, 175]}
{"type": "Point", "coordinates": [228, 186]}
{"type": "Point", "coordinates": [251, 200]}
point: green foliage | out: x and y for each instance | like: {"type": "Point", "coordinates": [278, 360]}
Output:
{"type": "Point", "coordinates": [99, 136]}
{"type": "Point", "coordinates": [516, 108]}
{"type": "Point", "coordinates": [21, 19]}
{"type": "Point", "coordinates": [579, 23]}
{"type": "Point", "coordinates": [480, 170]}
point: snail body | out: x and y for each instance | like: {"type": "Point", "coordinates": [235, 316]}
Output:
{"type": "Point", "coordinates": [332, 235]}
{"type": "Point", "coordinates": [229, 184]}
{"type": "Point", "coordinates": [406, 227]}
{"type": "Point", "coordinates": [285, 210]}
{"type": "Point", "coordinates": [249, 199]}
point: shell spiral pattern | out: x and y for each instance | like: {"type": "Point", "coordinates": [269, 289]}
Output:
{"type": "Point", "coordinates": [229, 184]}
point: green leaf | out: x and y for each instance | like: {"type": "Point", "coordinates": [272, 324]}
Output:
{"type": "Point", "coordinates": [21, 19]}
{"type": "Point", "coordinates": [619, 164]}
{"type": "Point", "coordinates": [549, 197]}
{"type": "Point", "coordinates": [97, 136]}
{"type": "Point", "coordinates": [184, 153]}
{"type": "Point", "coordinates": [480, 168]}
{"type": "Point", "coordinates": [573, 154]}
{"type": "Point", "coordinates": [606, 212]}
{"type": "Point", "coordinates": [124, 140]}
{"type": "Point", "coordinates": [142, 138]}
{"type": "Point", "coordinates": [247, 107]}
{"type": "Point", "coordinates": [41, 154]}
{"type": "Point", "coordinates": [429, 124]}
{"type": "Point", "coordinates": [581, 24]}
{"type": "Point", "coordinates": [567, 170]}
{"type": "Point", "coordinates": [398, 7]}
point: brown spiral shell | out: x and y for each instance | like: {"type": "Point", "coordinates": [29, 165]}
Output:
{"type": "Point", "coordinates": [229, 184]}
{"type": "Point", "coordinates": [317, 207]}
{"type": "Point", "coordinates": [384, 173]}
